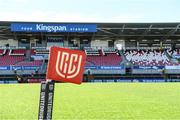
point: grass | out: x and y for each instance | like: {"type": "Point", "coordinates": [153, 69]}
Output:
{"type": "Point", "coordinates": [94, 101]}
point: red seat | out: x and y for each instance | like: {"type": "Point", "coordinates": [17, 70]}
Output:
{"type": "Point", "coordinates": [105, 60]}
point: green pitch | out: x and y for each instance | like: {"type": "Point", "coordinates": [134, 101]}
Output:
{"type": "Point", "coordinates": [94, 101]}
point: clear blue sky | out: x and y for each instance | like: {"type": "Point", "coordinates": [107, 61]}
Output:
{"type": "Point", "coordinates": [90, 10]}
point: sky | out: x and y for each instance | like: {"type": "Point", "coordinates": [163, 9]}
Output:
{"type": "Point", "coordinates": [112, 11]}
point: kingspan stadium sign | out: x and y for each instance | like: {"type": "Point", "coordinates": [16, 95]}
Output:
{"type": "Point", "coordinates": [40, 27]}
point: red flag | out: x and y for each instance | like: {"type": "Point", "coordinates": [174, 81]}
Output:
{"type": "Point", "coordinates": [66, 65]}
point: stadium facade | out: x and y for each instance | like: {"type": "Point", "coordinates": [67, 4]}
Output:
{"type": "Point", "coordinates": [120, 52]}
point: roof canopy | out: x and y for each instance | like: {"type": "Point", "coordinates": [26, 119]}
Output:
{"type": "Point", "coordinates": [108, 30]}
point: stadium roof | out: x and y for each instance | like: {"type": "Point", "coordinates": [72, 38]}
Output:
{"type": "Point", "coordinates": [113, 30]}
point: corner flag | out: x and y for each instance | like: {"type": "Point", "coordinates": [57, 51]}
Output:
{"type": "Point", "coordinates": [66, 65]}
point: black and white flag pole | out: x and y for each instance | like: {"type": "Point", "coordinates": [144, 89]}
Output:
{"type": "Point", "coordinates": [46, 100]}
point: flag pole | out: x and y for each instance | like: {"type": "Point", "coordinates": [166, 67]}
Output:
{"type": "Point", "coordinates": [46, 100]}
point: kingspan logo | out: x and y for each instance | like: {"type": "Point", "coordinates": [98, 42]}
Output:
{"type": "Point", "coordinates": [50, 28]}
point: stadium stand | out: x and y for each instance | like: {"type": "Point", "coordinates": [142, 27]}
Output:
{"type": "Point", "coordinates": [144, 50]}
{"type": "Point", "coordinates": [17, 52]}
{"type": "Point", "coordinates": [2, 51]}
{"type": "Point", "coordinates": [103, 57]}
{"type": "Point", "coordinates": [16, 57]}
{"type": "Point", "coordinates": [105, 60]}
{"type": "Point", "coordinates": [30, 63]}
{"type": "Point", "coordinates": [33, 51]}
{"type": "Point", "coordinates": [91, 51]}
{"type": "Point", "coordinates": [8, 59]}
{"type": "Point", "coordinates": [41, 51]}
{"type": "Point", "coordinates": [109, 50]}
{"type": "Point", "coordinates": [32, 80]}
{"type": "Point", "coordinates": [148, 57]}
{"type": "Point", "coordinates": [174, 53]}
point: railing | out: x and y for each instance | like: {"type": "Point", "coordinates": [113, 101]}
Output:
{"type": "Point", "coordinates": [12, 47]}
{"type": "Point", "coordinates": [145, 48]}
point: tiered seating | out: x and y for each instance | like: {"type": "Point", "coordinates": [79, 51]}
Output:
{"type": "Point", "coordinates": [174, 53]}
{"type": "Point", "coordinates": [105, 60]}
{"type": "Point", "coordinates": [148, 57]}
{"type": "Point", "coordinates": [30, 63]}
{"type": "Point", "coordinates": [88, 63]}
{"type": "Point", "coordinates": [102, 57]}
{"type": "Point", "coordinates": [16, 57]}
{"type": "Point", "coordinates": [55, 40]}
{"type": "Point", "coordinates": [2, 51]}
{"type": "Point", "coordinates": [36, 62]}
{"type": "Point", "coordinates": [33, 80]}
{"type": "Point", "coordinates": [17, 52]}
{"type": "Point", "coordinates": [109, 50]}
{"type": "Point", "coordinates": [33, 51]}
{"type": "Point", "coordinates": [42, 51]}
{"type": "Point", "coordinates": [92, 51]}
{"type": "Point", "coordinates": [7, 59]}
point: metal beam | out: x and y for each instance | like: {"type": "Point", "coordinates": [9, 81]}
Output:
{"type": "Point", "coordinates": [106, 31]}
{"type": "Point", "coordinates": [149, 35]}
{"type": "Point", "coordinates": [4, 37]}
{"type": "Point", "coordinates": [122, 30]}
{"type": "Point", "coordinates": [138, 28]}
{"type": "Point", "coordinates": [145, 32]}
{"type": "Point", "coordinates": [171, 33]}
